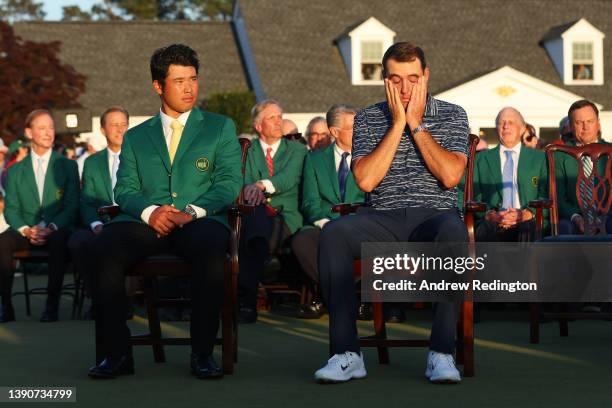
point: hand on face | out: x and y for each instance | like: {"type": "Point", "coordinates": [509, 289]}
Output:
{"type": "Point", "coordinates": [418, 99]}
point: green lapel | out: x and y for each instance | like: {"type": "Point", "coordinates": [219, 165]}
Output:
{"type": "Point", "coordinates": [30, 179]}
{"type": "Point", "coordinates": [50, 185]}
{"type": "Point", "coordinates": [330, 169]}
{"type": "Point", "coordinates": [105, 173]}
{"type": "Point", "coordinates": [192, 129]}
{"type": "Point", "coordinates": [494, 163]}
{"type": "Point", "coordinates": [278, 156]}
{"type": "Point", "coordinates": [156, 135]}
{"type": "Point", "coordinates": [525, 173]}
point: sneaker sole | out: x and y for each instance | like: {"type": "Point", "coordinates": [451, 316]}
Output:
{"type": "Point", "coordinates": [330, 381]}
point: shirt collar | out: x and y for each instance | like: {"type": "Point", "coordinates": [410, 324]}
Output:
{"type": "Point", "coordinates": [516, 149]}
{"type": "Point", "coordinates": [111, 153]}
{"type": "Point", "coordinates": [339, 151]}
{"type": "Point", "coordinates": [45, 156]}
{"type": "Point", "coordinates": [431, 108]}
{"type": "Point", "coordinates": [167, 120]}
{"type": "Point", "coordinates": [274, 146]}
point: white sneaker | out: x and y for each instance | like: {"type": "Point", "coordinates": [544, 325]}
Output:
{"type": "Point", "coordinates": [341, 368]}
{"type": "Point", "coordinates": [441, 368]}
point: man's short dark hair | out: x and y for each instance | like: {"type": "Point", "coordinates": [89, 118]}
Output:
{"type": "Point", "coordinates": [34, 114]}
{"type": "Point", "coordinates": [581, 104]}
{"type": "Point", "coordinates": [403, 52]}
{"type": "Point", "coordinates": [175, 54]}
{"type": "Point", "coordinates": [111, 110]}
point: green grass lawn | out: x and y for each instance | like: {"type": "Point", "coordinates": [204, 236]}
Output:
{"type": "Point", "coordinates": [279, 354]}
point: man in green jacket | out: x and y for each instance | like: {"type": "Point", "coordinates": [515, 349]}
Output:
{"type": "Point", "coordinates": [272, 180]}
{"type": "Point", "coordinates": [178, 173]}
{"type": "Point", "coordinates": [585, 125]}
{"type": "Point", "coordinates": [327, 180]}
{"type": "Point", "coordinates": [42, 203]}
{"type": "Point", "coordinates": [506, 178]}
{"type": "Point", "coordinates": [99, 179]}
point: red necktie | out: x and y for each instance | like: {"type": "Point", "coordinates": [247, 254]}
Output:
{"type": "Point", "coordinates": [270, 162]}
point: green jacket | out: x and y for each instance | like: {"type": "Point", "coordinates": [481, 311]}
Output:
{"type": "Point", "coordinates": [566, 174]}
{"type": "Point", "coordinates": [60, 204]}
{"type": "Point", "coordinates": [206, 171]}
{"type": "Point", "coordinates": [288, 164]}
{"type": "Point", "coordinates": [531, 178]}
{"type": "Point", "coordinates": [96, 190]}
{"type": "Point", "coordinates": [320, 190]}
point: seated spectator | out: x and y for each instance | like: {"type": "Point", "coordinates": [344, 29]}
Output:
{"type": "Point", "coordinates": [585, 125]}
{"type": "Point", "coordinates": [317, 134]}
{"type": "Point", "coordinates": [506, 178]}
{"type": "Point", "coordinates": [327, 181]}
{"type": "Point", "coordinates": [99, 179]}
{"type": "Point", "coordinates": [272, 179]}
{"type": "Point", "coordinates": [42, 202]}
{"type": "Point", "coordinates": [530, 138]}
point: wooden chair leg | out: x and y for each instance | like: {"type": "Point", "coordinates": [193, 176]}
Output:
{"type": "Point", "coordinates": [26, 289]}
{"type": "Point", "coordinates": [467, 317]}
{"type": "Point", "coordinates": [534, 323]}
{"type": "Point", "coordinates": [227, 331]}
{"type": "Point", "coordinates": [154, 323]}
{"type": "Point", "coordinates": [381, 331]}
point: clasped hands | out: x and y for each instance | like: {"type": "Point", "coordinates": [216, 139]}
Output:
{"type": "Point", "coordinates": [165, 218]}
{"type": "Point", "coordinates": [507, 219]}
{"type": "Point", "coordinates": [412, 114]}
{"type": "Point", "coordinates": [254, 194]}
{"type": "Point", "coordinates": [37, 235]}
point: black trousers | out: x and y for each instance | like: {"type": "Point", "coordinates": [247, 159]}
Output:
{"type": "Point", "coordinates": [260, 235]}
{"type": "Point", "coordinates": [11, 241]}
{"type": "Point", "coordinates": [203, 243]}
{"type": "Point", "coordinates": [80, 246]}
{"type": "Point", "coordinates": [340, 245]}
{"type": "Point", "coordinates": [487, 231]}
{"type": "Point", "coordinates": [305, 246]}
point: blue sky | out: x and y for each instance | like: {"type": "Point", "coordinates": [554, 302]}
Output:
{"type": "Point", "coordinates": [53, 8]}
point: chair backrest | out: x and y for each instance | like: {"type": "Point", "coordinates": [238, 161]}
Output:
{"type": "Point", "coordinates": [244, 146]}
{"type": "Point", "coordinates": [468, 190]}
{"type": "Point", "coordinates": [601, 197]}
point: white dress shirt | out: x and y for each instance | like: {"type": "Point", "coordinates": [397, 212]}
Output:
{"type": "Point", "coordinates": [269, 187]}
{"type": "Point", "coordinates": [516, 152]}
{"type": "Point", "coordinates": [166, 122]}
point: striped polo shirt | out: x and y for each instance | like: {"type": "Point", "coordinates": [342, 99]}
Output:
{"type": "Point", "coordinates": [408, 183]}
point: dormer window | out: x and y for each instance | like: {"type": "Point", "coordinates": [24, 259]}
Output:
{"type": "Point", "coordinates": [576, 51]}
{"type": "Point", "coordinates": [582, 61]}
{"type": "Point", "coordinates": [362, 46]}
{"type": "Point", "coordinates": [371, 56]}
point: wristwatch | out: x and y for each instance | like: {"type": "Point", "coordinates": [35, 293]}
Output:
{"type": "Point", "coordinates": [190, 211]}
{"type": "Point", "coordinates": [420, 128]}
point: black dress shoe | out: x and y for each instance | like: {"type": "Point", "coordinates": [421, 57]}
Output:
{"type": "Point", "coordinates": [247, 315]}
{"type": "Point", "coordinates": [205, 367]}
{"type": "Point", "coordinates": [364, 312]}
{"type": "Point", "coordinates": [7, 313]}
{"type": "Point", "coordinates": [112, 367]}
{"type": "Point", "coordinates": [313, 310]}
{"type": "Point", "coordinates": [50, 314]}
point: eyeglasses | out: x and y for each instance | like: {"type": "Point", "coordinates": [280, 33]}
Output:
{"type": "Point", "coordinates": [293, 136]}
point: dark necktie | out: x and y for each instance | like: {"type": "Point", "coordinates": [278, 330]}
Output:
{"type": "Point", "coordinates": [342, 175]}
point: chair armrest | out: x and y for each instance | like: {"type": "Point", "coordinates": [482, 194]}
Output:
{"type": "Point", "coordinates": [475, 207]}
{"type": "Point", "coordinates": [238, 210]}
{"type": "Point", "coordinates": [346, 208]}
{"type": "Point", "coordinates": [544, 204]}
{"type": "Point", "coordinates": [108, 212]}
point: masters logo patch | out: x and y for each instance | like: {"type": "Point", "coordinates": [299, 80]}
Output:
{"type": "Point", "coordinates": [202, 164]}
